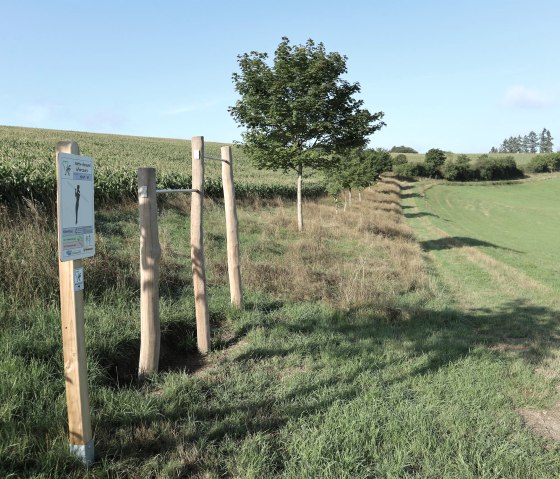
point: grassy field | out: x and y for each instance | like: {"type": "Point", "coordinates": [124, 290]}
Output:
{"type": "Point", "coordinates": [517, 224]}
{"type": "Point", "coordinates": [170, 156]}
{"type": "Point", "coordinates": [396, 339]}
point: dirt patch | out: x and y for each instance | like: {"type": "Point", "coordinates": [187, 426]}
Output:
{"type": "Point", "coordinates": [545, 423]}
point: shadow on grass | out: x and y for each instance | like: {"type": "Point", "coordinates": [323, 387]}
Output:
{"type": "Point", "coordinates": [343, 347]}
{"type": "Point", "coordinates": [420, 215]}
{"type": "Point", "coordinates": [459, 242]}
{"type": "Point", "coordinates": [409, 195]}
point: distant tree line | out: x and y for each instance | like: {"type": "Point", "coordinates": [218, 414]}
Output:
{"type": "Point", "coordinates": [402, 149]}
{"type": "Point", "coordinates": [530, 143]}
{"type": "Point", "coordinates": [437, 165]}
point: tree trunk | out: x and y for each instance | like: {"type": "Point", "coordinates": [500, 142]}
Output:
{"type": "Point", "coordinates": [349, 197]}
{"type": "Point", "coordinates": [299, 207]}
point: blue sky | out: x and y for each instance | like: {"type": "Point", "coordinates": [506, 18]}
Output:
{"type": "Point", "coordinates": [457, 75]}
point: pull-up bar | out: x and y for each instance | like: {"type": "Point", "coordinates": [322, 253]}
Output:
{"type": "Point", "coordinates": [191, 190]}
{"type": "Point", "coordinates": [214, 158]}
{"type": "Point", "coordinates": [150, 252]}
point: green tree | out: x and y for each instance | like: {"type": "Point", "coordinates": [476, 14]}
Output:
{"type": "Point", "coordinates": [532, 142]}
{"type": "Point", "coordinates": [435, 158]}
{"type": "Point", "coordinates": [357, 169]}
{"type": "Point", "coordinates": [402, 149]}
{"type": "Point", "coordinates": [546, 141]}
{"type": "Point", "coordinates": [298, 112]}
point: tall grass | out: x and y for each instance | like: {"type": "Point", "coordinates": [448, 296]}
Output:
{"type": "Point", "coordinates": [350, 358]}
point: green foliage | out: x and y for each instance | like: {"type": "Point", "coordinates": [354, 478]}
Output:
{"type": "Point", "coordinates": [490, 169]}
{"type": "Point", "coordinates": [400, 159]}
{"type": "Point", "coordinates": [402, 149]}
{"type": "Point", "coordinates": [530, 143]}
{"type": "Point", "coordinates": [410, 170]}
{"type": "Point", "coordinates": [544, 163]}
{"type": "Point", "coordinates": [546, 141]}
{"type": "Point", "coordinates": [458, 169]}
{"type": "Point", "coordinates": [299, 112]}
{"type": "Point", "coordinates": [434, 160]}
{"type": "Point", "coordinates": [357, 169]}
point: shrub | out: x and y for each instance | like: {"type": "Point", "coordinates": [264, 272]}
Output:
{"type": "Point", "coordinates": [402, 149]}
{"type": "Point", "coordinates": [410, 170]}
{"type": "Point", "coordinates": [458, 169]}
{"type": "Point", "coordinates": [544, 163]}
{"type": "Point", "coordinates": [538, 164]}
{"type": "Point", "coordinates": [435, 158]}
{"type": "Point", "coordinates": [400, 159]}
{"type": "Point", "coordinates": [497, 168]}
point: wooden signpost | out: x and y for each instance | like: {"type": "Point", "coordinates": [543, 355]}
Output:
{"type": "Point", "coordinates": [76, 240]}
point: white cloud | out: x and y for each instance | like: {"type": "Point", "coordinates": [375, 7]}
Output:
{"type": "Point", "coordinates": [519, 96]}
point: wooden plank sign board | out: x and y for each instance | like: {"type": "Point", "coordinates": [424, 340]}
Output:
{"type": "Point", "coordinates": [76, 231]}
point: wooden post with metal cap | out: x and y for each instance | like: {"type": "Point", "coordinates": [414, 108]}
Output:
{"type": "Point", "coordinates": [74, 345]}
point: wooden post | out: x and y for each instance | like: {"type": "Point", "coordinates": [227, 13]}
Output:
{"type": "Point", "coordinates": [150, 254]}
{"type": "Point", "coordinates": [299, 197]}
{"type": "Point", "coordinates": [74, 347]}
{"type": "Point", "coordinates": [197, 248]}
{"type": "Point", "coordinates": [232, 232]}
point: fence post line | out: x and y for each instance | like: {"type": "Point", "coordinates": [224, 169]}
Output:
{"type": "Point", "coordinates": [232, 230]}
{"type": "Point", "coordinates": [74, 346]}
{"type": "Point", "coordinates": [197, 248]}
{"type": "Point", "coordinates": [150, 254]}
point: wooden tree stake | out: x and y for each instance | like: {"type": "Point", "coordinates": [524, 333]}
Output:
{"type": "Point", "coordinates": [150, 254]}
{"type": "Point", "coordinates": [232, 232]}
{"type": "Point", "coordinates": [74, 348]}
{"type": "Point", "coordinates": [197, 248]}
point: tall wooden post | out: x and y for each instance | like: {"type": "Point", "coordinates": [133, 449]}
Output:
{"type": "Point", "coordinates": [197, 248]}
{"type": "Point", "coordinates": [232, 232]}
{"type": "Point", "coordinates": [74, 346]}
{"type": "Point", "coordinates": [299, 197]}
{"type": "Point", "coordinates": [150, 254]}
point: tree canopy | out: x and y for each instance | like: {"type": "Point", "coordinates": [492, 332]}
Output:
{"type": "Point", "coordinates": [299, 111]}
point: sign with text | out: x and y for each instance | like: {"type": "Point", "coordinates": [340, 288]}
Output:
{"type": "Point", "coordinates": [76, 229]}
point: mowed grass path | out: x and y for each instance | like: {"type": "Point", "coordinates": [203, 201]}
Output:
{"type": "Point", "coordinates": [495, 249]}
{"type": "Point", "coordinates": [516, 224]}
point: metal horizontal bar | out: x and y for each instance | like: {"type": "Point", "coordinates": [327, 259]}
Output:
{"type": "Point", "coordinates": [178, 191]}
{"type": "Point", "coordinates": [206, 157]}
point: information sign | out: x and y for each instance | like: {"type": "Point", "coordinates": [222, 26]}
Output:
{"type": "Point", "coordinates": [76, 229]}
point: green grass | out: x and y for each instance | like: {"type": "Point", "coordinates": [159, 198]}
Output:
{"type": "Point", "coordinates": [170, 156]}
{"type": "Point", "coordinates": [357, 354]}
{"type": "Point", "coordinates": [518, 224]}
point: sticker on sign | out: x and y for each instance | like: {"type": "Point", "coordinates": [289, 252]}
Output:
{"type": "Point", "coordinates": [76, 228]}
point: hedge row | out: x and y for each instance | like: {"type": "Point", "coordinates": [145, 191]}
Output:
{"type": "Point", "coordinates": [37, 181]}
{"type": "Point", "coordinates": [484, 168]}
{"type": "Point", "coordinates": [544, 163]}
